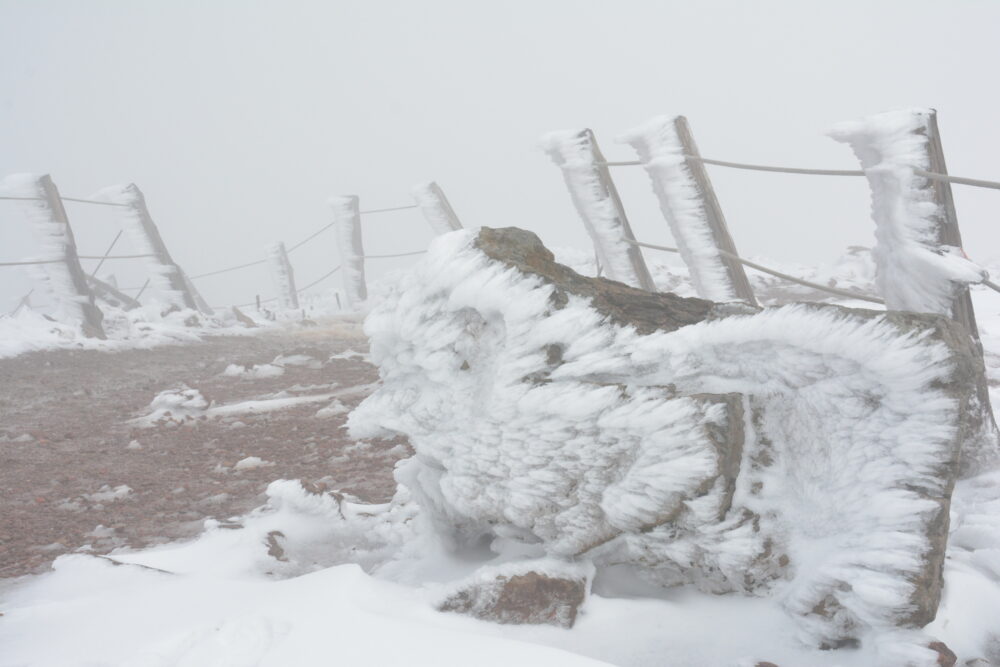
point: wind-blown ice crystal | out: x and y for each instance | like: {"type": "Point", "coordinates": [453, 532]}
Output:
{"type": "Point", "coordinates": [662, 155]}
{"type": "Point", "coordinates": [537, 417]}
{"type": "Point", "coordinates": [915, 272]}
{"type": "Point", "coordinates": [165, 276]}
{"type": "Point", "coordinates": [575, 153]}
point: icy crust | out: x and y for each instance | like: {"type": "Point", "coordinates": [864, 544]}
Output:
{"type": "Point", "coordinates": [572, 151]}
{"type": "Point", "coordinates": [53, 238]}
{"type": "Point", "coordinates": [436, 209]}
{"type": "Point", "coordinates": [281, 273]}
{"type": "Point", "coordinates": [165, 277]}
{"type": "Point", "coordinates": [662, 155]}
{"type": "Point", "coordinates": [554, 426]}
{"type": "Point", "coordinates": [347, 226]}
{"type": "Point", "coordinates": [915, 272]}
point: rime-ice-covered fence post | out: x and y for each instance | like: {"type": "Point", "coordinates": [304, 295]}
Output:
{"type": "Point", "coordinates": [167, 277]}
{"type": "Point", "coordinates": [347, 225]}
{"type": "Point", "coordinates": [918, 251]}
{"type": "Point", "coordinates": [669, 155]}
{"type": "Point", "coordinates": [436, 208]}
{"type": "Point", "coordinates": [283, 275]}
{"type": "Point", "coordinates": [51, 227]}
{"type": "Point", "coordinates": [597, 201]}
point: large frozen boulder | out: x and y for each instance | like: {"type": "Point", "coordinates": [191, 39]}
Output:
{"type": "Point", "coordinates": [806, 452]}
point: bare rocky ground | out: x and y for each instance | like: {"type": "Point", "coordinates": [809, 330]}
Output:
{"type": "Point", "coordinates": [66, 428]}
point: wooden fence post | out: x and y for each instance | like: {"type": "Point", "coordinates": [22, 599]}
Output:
{"type": "Point", "coordinates": [347, 224]}
{"type": "Point", "coordinates": [67, 278]}
{"type": "Point", "coordinates": [283, 275]}
{"type": "Point", "coordinates": [596, 199]}
{"type": "Point", "coordinates": [167, 277]}
{"type": "Point", "coordinates": [436, 208]}
{"type": "Point", "coordinates": [921, 266]}
{"type": "Point", "coordinates": [669, 154]}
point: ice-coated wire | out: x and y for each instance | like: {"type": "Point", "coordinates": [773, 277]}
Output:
{"type": "Point", "coordinates": [402, 254]}
{"type": "Point", "coordinates": [103, 257]}
{"type": "Point", "coordinates": [231, 268]}
{"type": "Point", "coordinates": [76, 199]}
{"type": "Point", "coordinates": [44, 261]}
{"type": "Point", "coordinates": [778, 274]}
{"type": "Point", "coordinates": [934, 176]}
{"type": "Point", "coordinates": [110, 248]}
{"type": "Point", "coordinates": [318, 280]}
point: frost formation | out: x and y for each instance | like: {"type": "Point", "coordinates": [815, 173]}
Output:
{"type": "Point", "coordinates": [806, 452]}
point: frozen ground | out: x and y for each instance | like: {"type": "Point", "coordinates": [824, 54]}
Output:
{"type": "Point", "coordinates": [87, 463]}
{"type": "Point", "coordinates": [266, 586]}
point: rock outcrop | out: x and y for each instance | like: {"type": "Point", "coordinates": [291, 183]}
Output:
{"type": "Point", "coordinates": [808, 450]}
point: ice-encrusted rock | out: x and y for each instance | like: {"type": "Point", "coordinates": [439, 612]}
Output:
{"type": "Point", "coordinates": [806, 452]}
{"type": "Point", "coordinates": [529, 592]}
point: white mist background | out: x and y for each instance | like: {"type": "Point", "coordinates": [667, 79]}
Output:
{"type": "Point", "coordinates": [239, 119]}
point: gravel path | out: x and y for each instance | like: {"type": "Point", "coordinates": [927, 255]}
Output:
{"type": "Point", "coordinates": [78, 472]}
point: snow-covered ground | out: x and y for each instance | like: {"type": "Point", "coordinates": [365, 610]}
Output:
{"type": "Point", "coordinates": [308, 579]}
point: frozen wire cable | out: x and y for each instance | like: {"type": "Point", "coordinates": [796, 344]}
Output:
{"type": "Point", "coordinates": [957, 179]}
{"type": "Point", "coordinates": [76, 199]}
{"type": "Point", "coordinates": [44, 261]}
{"type": "Point", "coordinates": [386, 210]}
{"type": "Point", "coordinates": [753, 167]}
{"type": "Point", "coordinates": [402, 254]}
{"type": "Point", "coordinates": [141, 289]}
{"type": "Point", "coordinates": [310, 237]}
{"type": "Point", "coordinates": [778, 274]}
{"type": "Point", "coordinates": [231, 268]}
{"type": "Point", "coordinates": [934, 176]}
{"type": "Point", "coordinates": [103, 257]}
{"type": "Point", "coordinates": [318, 280]}
{"type": "Point", "coordinates": [106, 252]}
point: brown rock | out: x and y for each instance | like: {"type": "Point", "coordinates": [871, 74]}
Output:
{"type": "Point", "coordinates": [529, 598]}
{"type": "Point", "coordinates": [946, 657]}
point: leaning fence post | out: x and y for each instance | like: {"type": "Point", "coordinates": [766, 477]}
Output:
{"type": "Point", "coordinates": [597, 201]}
{"type": "Point", "coordinates": [669, 154]}
{"type": "Point", "coordinates": [918, 253]}
{"type": "Point", "coordinates": [283, 275]}
{"type": "Point", "coordinates": [167, 277]}
{"type": "Point", "coordinates": [347, 223]}
{"type": "Point", "coordinates": [920, 265]}
{"type": "Point", "coordinates": [436, 208]}
{"type": "Point", "coordinates": [51, 228]}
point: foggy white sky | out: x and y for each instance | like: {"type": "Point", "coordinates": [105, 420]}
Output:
{"type": "Point", "coordinates": [239, 119]}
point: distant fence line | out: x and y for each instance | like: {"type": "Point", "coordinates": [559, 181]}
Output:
{"type": "Point", "coordinates": [667, 151]}
{"type": "Point", "coordinates": [173, 281]}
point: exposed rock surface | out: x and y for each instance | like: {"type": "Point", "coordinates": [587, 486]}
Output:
{"type": "Point", "coordinates": [806, 451]}
{"type": "Point", "coordinates": [522, 596]}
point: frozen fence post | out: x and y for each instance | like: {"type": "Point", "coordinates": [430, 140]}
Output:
{"type": "Point", "coordinates": [436, 208]}
{"type": "Point", "coordinates": [665, 145]}
{"type": "Point", "coordinates": [347, 224]}
{"type": "Point", "coordinates": [284, 277]}
{"type": "Point", "coordinates": [597, 201]}
{"type": "Point", "coordinates": [167, 278]}
{"type": "Point", "coordinates": [918, 251]}
{"type": "Point", "coordinates": [51, 227]}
